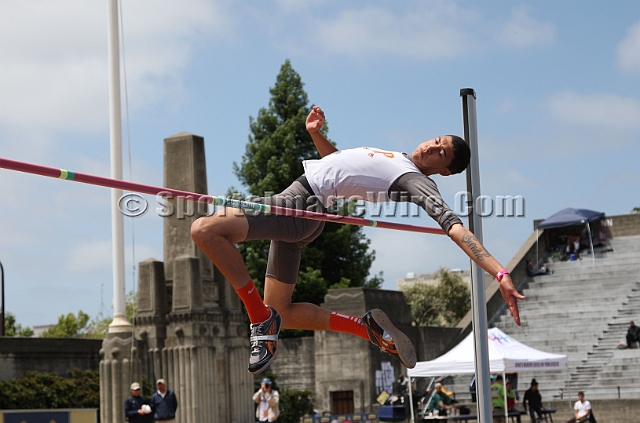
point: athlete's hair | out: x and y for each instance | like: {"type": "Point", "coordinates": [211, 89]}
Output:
{"type": "Point", "coordinates": [461, 155]}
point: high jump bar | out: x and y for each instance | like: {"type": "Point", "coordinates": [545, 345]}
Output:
{"type": "Point", "coordinates": [207, 199]}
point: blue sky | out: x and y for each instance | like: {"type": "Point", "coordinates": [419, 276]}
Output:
{"type": "Point", "coordinates": [558, 88]}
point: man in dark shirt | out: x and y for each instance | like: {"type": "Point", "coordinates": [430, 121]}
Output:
{"type": "Point", "coordinates": [133, 406]}
{"type": "Point", "coordinates": [164, 403]}
{"type": "Point", "coordinates": [533, 401]}
{"type": "Point", "coordinates": [633, 334]}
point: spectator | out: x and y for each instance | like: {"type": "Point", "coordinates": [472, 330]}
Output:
{"type": "Point", "coordinates": [513, 378]}
{"type": "Point", "coordinates": [573, 243]}
{"type": "Point", "coordinates": [133, 409]}
{"type": "Point", "coordinates": [533, 401]}
{"type": "Point", "coordinates": [511, 396]}
{"type": "Point", "coordinates": [267, 400]}
{"type": "Point", "coordinates": [164, 403]}
{"type": "Point", "coordinates": [633, 335]}
{"type": "Point", "coordinates": [439, 401]}
{"type": "Point", "coordinates": [531, 271]}
{"type": "Point", "coordinates": [581, 410]}
{"type": "Point", "coordinates": [497, 398]}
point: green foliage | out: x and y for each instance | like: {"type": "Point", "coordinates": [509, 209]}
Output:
{"type": "Point", "coordinates": [69, 326]}
{"type": "Point", "coordinates": [278, 143]}
{"type": "Point", "coordinates": [13, 328]}
{"type": "Point", "coordinates": [80, 389]}
{"type": "Point", "coordinates": [441, 305]}
{"type": "Point", "coordinates": [99, 325]}
{"type": "Point", "coordinates": [294, 404]}
{"type": "Point", "coordinates": [635, 210]}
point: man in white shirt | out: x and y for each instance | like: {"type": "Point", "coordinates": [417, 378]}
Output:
{"type": "Point", "coordinates": [581, 410]}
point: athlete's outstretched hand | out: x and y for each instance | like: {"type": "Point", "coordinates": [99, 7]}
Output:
{"type": "Point", "coordinates": [511, 296]}
{"type": "Point", "coordinates": [315, 120]}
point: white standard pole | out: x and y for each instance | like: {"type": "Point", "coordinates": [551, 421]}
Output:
{"type": "Point", "coordinates": [504, 392]}
{"type": "Point", "coordinates": [478, 298]}
{"type": "Point", "coordinates": [120, 323]}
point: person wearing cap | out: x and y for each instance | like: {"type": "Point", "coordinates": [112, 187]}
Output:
{"type": "Point", "coordinates": [133, 406]}
{"type": "Point", "coordinates": [533, 401]}
{"type": "Point", "coordinates": [439, 400]}
{"type": "Point", "coordinates": [267, 399]}
{"type": "Point", "coordinates": [164, 403]}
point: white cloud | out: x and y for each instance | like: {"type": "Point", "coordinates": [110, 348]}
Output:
{"type": "Point", "coordinates": [629, 50]}
{"type": "Point", "coordinates": [433, 30]}
{"type": "Point", "coordinates": [54, 72]}
{"type": "Point", "coordinates": [89, 256]}
{"type": "Point", "coordinates": [525, 31]}
{"type": "Point", "coordinates": [96, 256]}
{"type": "Point", "coordinates": [595, 110]}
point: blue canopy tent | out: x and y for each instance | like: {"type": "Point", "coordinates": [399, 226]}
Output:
{"type": "Point", "coordinates": [573, 217]}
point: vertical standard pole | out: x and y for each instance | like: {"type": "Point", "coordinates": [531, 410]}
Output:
{"type": "Point", "coordinates": [478, 301]}
{"type": "Point", "coordinates": [3, 312]}
{"type": "Point", "coordinates": [120, 323]}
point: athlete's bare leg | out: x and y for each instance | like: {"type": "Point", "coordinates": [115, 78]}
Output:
{"type": "Point", "coordinates": [305, 316]}
{"type": "Point", "coordinates": [216, 236]}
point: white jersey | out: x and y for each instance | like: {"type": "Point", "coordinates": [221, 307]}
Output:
{"type": "Point", "coordinates": [583, 408]}
{"type": "Point", "coordinates": [358, 173]}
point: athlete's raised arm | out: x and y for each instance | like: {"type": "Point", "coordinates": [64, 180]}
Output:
{"type": "Point", "coordinates": [315, 122]}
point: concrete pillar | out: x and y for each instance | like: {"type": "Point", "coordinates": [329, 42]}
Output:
{"type": "Point", "coordinates": [190, 322]}
{"type": "Point", "coordinates": [150, 324]}
{"type": "Point", "coordinates": [119, 367]}
{"type": "Point", "coordinates": [185, 169]}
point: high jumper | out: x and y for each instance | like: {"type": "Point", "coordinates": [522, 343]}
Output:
{"type": "Point", "coordinates": [352, 173]}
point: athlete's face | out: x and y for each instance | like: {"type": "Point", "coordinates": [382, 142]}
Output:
{"type": "Point", "coordinates": [434, 156]}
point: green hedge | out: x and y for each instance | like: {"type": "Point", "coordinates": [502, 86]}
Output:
{"type": "Point", "coordinates": [34, 391]}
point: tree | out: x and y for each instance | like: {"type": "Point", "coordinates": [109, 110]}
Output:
{"type": "Point", "coordinates": [278, 143]}
{"type": "Point", "coordinates": [635, 210]}
{"type": "Point", "coordinates": [68, 326]}
{"type": "Point", "coordinates": [443, 304]}
{"type": "Point", "coordinates": [99, 325]}
{"type": "Point", "coordinates": [12, 328]}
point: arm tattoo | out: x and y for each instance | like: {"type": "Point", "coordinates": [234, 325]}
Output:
{"type": "Point", "coordinates": [478, 250]}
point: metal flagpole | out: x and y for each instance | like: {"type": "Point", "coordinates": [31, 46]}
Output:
{"type": "Point", "coordinates": [478, 300]}
{"type": "Point", "coordinates": [119, 323]}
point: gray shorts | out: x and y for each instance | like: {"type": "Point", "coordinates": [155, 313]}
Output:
{"type": "Point", "coordinates": [288, 234]}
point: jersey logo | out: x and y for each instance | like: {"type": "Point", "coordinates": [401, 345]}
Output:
{"type": "Point", "coordinates": [373, 152]}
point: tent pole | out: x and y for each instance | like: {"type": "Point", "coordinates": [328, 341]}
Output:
{"type": "Point", "coordinates": [537, 254]}
{"type": "Point", "coordinates": [411, 400]}
{"type": "Point", "coordinates": [478, 299]}
{"type": "Point", "coordinates": [593, 255]}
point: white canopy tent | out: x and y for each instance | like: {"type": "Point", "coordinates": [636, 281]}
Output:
{"type": "Point", "coordinates": [506, 355]}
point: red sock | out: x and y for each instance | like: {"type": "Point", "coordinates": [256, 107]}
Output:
{"type": "Point", "coordinates": [258, 312]}
{"type": "Point", "coordinates": [341, 322]}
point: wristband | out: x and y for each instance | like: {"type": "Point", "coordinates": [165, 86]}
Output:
{"type": "Point", "coordinates": [501, 273]}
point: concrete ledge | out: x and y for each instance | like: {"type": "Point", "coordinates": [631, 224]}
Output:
{"type": "Point", "coordinates": [44, 355]}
